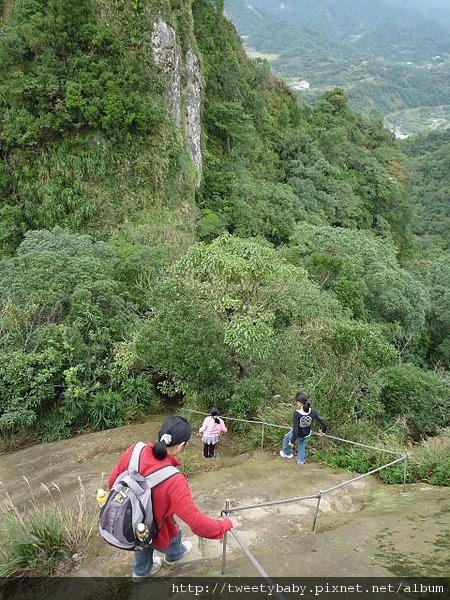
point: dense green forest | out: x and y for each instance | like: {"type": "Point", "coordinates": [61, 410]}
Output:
{"type": "Point", "coordinates": [429, 187]}
{"type": "Point", "coordinates": [429, 182]}
{"type": "Point", "coordinates": [125, 282]}
{"type": "Point", "coordinates": [387, 55]}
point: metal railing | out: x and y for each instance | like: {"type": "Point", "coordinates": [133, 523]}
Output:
{"type": "Point", "coordinates": [262, 423]}
{"type": "Point", "coordinates": [247, 552]}
{"type": "Point", "coordinates": [318, 495]}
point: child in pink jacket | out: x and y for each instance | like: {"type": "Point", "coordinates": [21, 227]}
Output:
{"type": "Point", "coordinates": [212, 427]}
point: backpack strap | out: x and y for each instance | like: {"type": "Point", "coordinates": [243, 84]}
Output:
{"type": "Point", "coordinates": [157, 477]}
{"type": "Point", "coordinates": [133, 465]}
{"type": "Point", "coordinates": [153, 479]}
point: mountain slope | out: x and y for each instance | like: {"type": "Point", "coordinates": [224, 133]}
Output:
{"type": "Point", "coordinates": [387, 57]}
{"type": "Point", "coordinates": [239, 241]}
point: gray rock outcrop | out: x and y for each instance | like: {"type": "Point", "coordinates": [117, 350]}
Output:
{"type": "Point", "coordinates": [168, 57]}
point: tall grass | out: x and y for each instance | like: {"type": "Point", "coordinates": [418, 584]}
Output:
{"type": "Point", "coordinates": [187, 466]}
{"type": "Point", "coordinates": [43, 539]}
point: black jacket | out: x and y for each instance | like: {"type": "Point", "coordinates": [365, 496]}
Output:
{"type": "Point", "coordinates": [302, 423]}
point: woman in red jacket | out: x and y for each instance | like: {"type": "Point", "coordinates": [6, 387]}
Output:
{"type": "Point", "coordinates": [169, 498]}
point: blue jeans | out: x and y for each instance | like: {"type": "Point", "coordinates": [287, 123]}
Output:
{"type": "Point", "coordinates": [143, 559]}
{"type": "Point", "coordinates": [301, 451]}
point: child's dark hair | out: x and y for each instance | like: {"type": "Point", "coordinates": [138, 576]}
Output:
{"type": "Point", "coordinates": [215, 414]}
{"type": "Point", "coordinates": [301, 397]}
{"type": "Point", "coordinates": [174, 430]}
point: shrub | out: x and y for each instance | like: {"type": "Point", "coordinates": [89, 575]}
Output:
{"type": "Point", "coordinates": [105, 410]}
{"type": "Point", "coordinates": [248, 398]}
{"type": "Point", "coordinates": [28, 383]}
{"type": "Point", "coordinates": [64, 319]}
{"type": "Point", "coordinates": [364, 273]}
{"type": "Point", "coordinates": [139, 396]}
{"type": "Point", "coordinates": [421, 396]}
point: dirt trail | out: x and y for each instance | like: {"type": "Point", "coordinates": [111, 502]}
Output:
{"type": "Point", "coordinates": [364, 529]}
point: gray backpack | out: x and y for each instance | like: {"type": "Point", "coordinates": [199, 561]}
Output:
{"type": "Point", "coordinates": [129, 503]}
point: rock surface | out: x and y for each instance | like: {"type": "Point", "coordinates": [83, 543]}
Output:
{"type": "Point", "coordinates": [168, 57]}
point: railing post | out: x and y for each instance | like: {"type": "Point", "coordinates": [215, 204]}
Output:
{"type": "Point", "coordinates": [224, 540]}
{"type": "Point", "coordinates": [319, 498]}
{"type": "Point", "coordinates": [262, 437]}
{"type": "Point", "coordinates": [404, 472]}
{"type": "Point", "coordinates": [256, 564]}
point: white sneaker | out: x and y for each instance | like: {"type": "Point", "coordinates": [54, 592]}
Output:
{"type": "Point", "coordinates": [188, 547]}
{"type": "Point", "coordinates": [283, 455]}
{"type": "Point", "coordinates": [157, 564]}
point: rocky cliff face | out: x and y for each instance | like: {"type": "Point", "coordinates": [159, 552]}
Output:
{"type": "Point", "coordinates": [167, 57]}
{"type": "Point", "coordinates": [184, 100]}
{"type": "Point", "coordinates": [193, 99]}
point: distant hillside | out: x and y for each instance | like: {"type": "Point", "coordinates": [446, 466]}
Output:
{"type": "Point", "coordinates": [429, 166]}
{"type": "Point", "coordinates": [387, 55]}
{"type": "Point", "coordinates": [437, 10]}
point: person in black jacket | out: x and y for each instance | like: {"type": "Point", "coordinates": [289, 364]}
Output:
{"type": "Point", "coordinates": [301, 429]}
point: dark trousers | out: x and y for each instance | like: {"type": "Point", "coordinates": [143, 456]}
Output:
{"type": "Point", "coordinates": [208, 450]}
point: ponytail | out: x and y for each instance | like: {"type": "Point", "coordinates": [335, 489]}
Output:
{"type": "Point", "coordinates": [159, 450]}
{"type": "Point", "coordinates": [174, 431]}
{"type": "Point", "coordinates": [303, 399]}
{"type": "Point", "coordinates": [215, 414]}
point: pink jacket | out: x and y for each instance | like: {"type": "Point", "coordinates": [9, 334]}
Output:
{"type": "Point", "coordinates": [211, 428]}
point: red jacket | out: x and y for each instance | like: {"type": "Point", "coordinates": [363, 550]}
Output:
{"type": "Point", "coordinates": [171, 497]}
